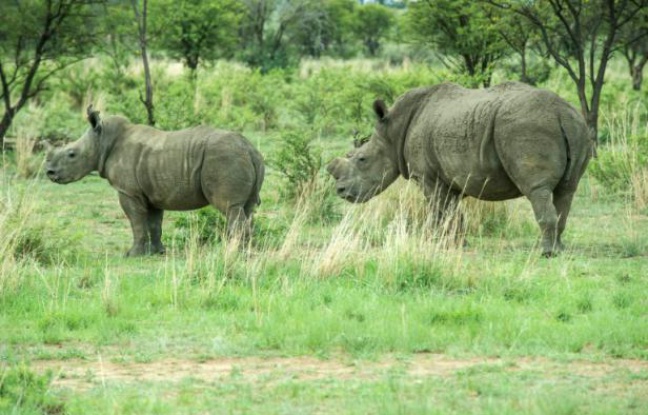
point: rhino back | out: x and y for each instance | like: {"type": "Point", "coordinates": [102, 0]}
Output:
{"type": "Point", "coordinates": [470, 138]}
{"type": "Point", "coordinates": [450, 140]}
{"type": "Point", "coordinates": [164, 168]}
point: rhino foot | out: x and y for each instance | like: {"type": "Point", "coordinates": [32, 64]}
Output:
{"type": "Point", "coordinates": [139, 250]}
{"type": "Point", "coordinates": [157, 250]}
{"type": "Point", "coordinates": [136, 251]}
{"type": "Point", "coordinates": [553, 251]}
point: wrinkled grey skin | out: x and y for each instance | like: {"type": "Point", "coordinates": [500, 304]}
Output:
{"type": "Point", "coordinates": [154, 171]}
{"type": "Point", "coordinates": [493, 144]}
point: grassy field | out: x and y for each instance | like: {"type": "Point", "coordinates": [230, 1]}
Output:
{"type": "Point", "coordinates": [334, 308]}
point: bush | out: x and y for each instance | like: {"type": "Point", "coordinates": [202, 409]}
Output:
{"type": "Point", "coordinates": [22, 391]}
{"type": "Point", "coordinates": [298, 162]}
{"type": "Point", "coordinates": [206, 225]}
{"type": "Point", "coordinates": [23, 237]}
{"type": "Point", "coordinates": [619, 161]}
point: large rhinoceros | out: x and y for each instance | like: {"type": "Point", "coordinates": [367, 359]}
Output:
{"type": "Point", "coordinates": [154, 170]}
{"type": "Point", "coordinates": [498, 143]}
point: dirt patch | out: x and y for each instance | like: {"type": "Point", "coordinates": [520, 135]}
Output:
{"type": "Point", "coordinates": [78, 374]}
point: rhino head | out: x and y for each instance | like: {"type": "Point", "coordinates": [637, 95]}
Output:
{"type": "Point", "coordinates": [75, 160]}
{"type": "Point", "coordinates": [370, 167]}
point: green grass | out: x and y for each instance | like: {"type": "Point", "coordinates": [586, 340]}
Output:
{"type": "Point", "coordinates": [362, 310]}
{"type": "Point", "coordinates": [397, 296]}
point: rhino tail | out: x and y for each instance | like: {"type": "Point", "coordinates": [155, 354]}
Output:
{"type": "Point", "coordinates": [575, 135]}
{"type": "Point", "coordinates": [569, 167]}
{"type": "Point", "coordinates": [259, 168]}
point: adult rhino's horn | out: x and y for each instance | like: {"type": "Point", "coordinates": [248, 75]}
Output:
{"type": "Point", "coordinates": [335, 167]}
{"type": "Point", "coordinates": [93, 118]}
{"type": "Point", "coordinates": [47, 146]}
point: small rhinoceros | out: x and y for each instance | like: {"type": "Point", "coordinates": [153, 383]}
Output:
{"type": "Point", "coordinates": [154, 171]}
{"type": "Point", "coordinates": [499, 143]}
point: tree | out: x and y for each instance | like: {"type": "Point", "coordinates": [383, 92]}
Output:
{"type": "Point", "coordinates": [462, 31]}
{"type": "Point", "coordinates": [634, 40]}
{"type": "Point", "coordinates": [338, 31]}
{"type": "Point", "coordinates": [120, 41]}
{"type": "Point", "coordinates": [373, 23]}
{"type": "Point", "coordinates": [581, 36]}
{"type": "Point", "coordinates": [308, 35]}
{"type": "Point", "coordinates": [141, 17]}
{"type": "Point", "coordinates": [264, 30]}
{"type": "Point", "coordinates": [38, 39]}
{"type": "Point", "coordinates": [327, 28]}
{"type": "Point", "coordinates": [522, 37]}
{"type": "Point", "coordinates": [196, 30]}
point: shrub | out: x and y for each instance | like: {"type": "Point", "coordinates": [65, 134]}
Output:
{"type": "Point", "coordinates": [23, 391]}
{"type": "Point", "coordinates": [23, 237]}
{"type": "Point", "coordinates": [619, 161]}
{"type": "Point", "coordinates": [298, 162]}
{"type": "Point", "coordinates": [206, 225]}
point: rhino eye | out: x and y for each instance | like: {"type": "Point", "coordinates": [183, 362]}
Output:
{"type": "Point", "coordinates": [71, 154]}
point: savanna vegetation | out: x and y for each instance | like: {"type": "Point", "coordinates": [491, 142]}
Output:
{"type": "Point", "coordinates": [333, 307]}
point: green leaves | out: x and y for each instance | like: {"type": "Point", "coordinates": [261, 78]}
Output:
{"type": "Point", "coordinates": [194, 30]}
{"type": "Point", "coordinates": [465, 33]}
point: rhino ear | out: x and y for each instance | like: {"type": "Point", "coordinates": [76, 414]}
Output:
{"type": "Point", "coordinates": [93, 119]}
{"type": "Point", "coordinates": [380, 109]}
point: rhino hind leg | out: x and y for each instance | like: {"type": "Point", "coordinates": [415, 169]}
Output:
{"type": "Point", "coordinates": [238, 224]}
{"type": "Point", "coordinates": [562, 201]}
{"type": "Point", "coordinates": [544, 209]}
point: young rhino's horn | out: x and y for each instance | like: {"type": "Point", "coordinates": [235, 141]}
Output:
{"type": "Point", "coordinates": [47, 146]}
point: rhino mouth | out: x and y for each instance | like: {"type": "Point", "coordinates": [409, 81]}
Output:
{"type": "Point", "coordinates": [53, 177]}
{"type": "Point", "coordinates": [355, 192]}
{"type": "Point", "coordinates": [56, 178]}
{"type": "Point", "coordinates": [353, 197]}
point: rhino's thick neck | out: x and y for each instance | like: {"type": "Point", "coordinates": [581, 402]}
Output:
{"type": "Point", "coordinates": [112, 131]}
{"type": "Point", "coordinates": [88, 149]}
{"type": "Point", "coordinates": [404, 111]}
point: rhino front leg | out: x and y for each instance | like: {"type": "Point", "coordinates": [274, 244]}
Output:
{"type": "Point", "coordinates": [154, 223]}
{"type": "Point", "coordinates": [443, 203]}
{"type": "Point", "coordinates": [137, 214]}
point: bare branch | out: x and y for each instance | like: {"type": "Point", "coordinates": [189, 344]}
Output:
{"type": "Point", "coordinates": [6, 88]}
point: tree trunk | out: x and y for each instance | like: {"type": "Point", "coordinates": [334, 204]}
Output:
{"type": "Point", "coordinates": [590, 115]}
{"type": "Point", "coordinates": [141, 26]}
{"type": "Point", "coordinates": [523, 76]}
{"type": "Point", "coordinates": [4, 126]}
{"type": "Point", "coordinates": [592, 122]}
{"type": "Point", "coordinates": [637, 73]}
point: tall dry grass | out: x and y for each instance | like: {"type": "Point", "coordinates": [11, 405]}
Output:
{"type": "Point", "coordinates": [16, 211]}
{"type": "Point", "coordinates": [639, 184]}
{"type": "Point", "coordinates": [622, 165]}
{"type": "Point", "coordinates": [27, 130]}
{"type": "Point", "coordinates": [395, 233]}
